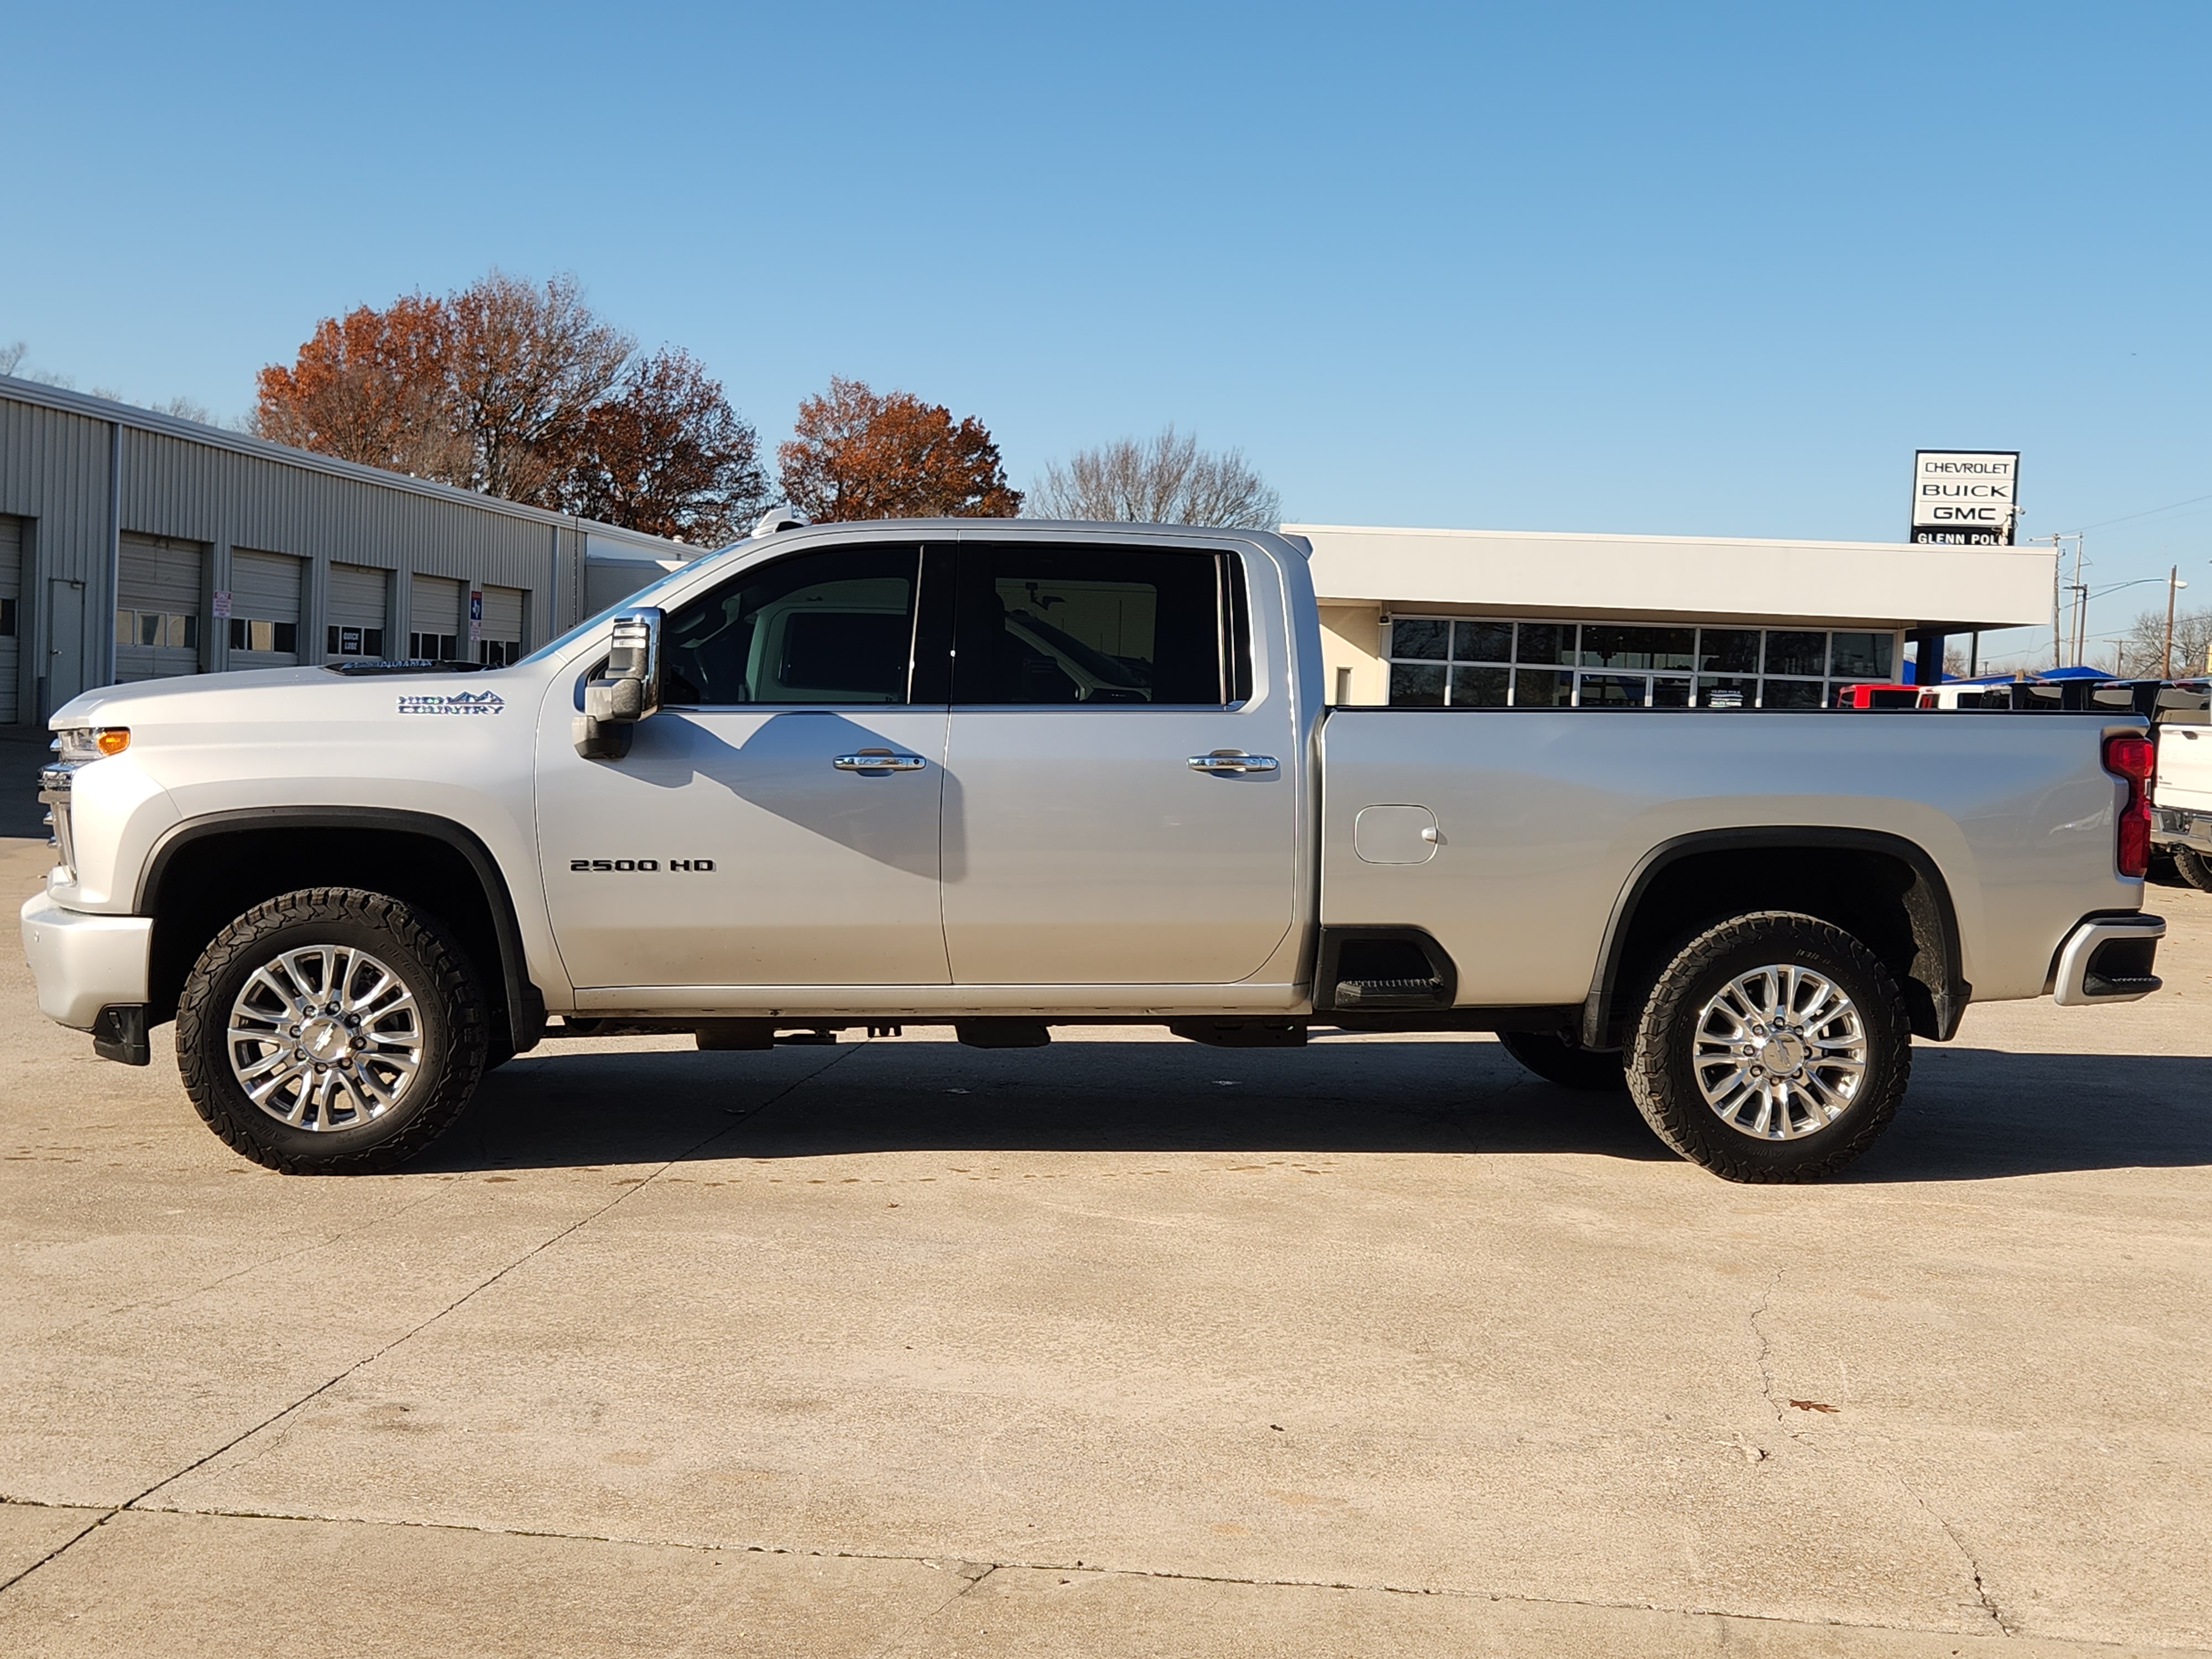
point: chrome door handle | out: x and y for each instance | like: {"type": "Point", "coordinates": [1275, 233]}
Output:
{"type": "Point", "coordinates": [1232, 760]}
{"type": "Point", "coordinates": [878, 760]}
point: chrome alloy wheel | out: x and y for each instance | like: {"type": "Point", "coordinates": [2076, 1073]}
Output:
{"type": "Point", "coordinates": [325, 1037]}
{"type": "Point", "coordinates": [1780, 1052]}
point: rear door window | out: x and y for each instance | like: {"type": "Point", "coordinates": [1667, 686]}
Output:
{"type": "Point", "coordinates": [833, 627]}
{"type": "Point", "coordinates": [1082, 627]}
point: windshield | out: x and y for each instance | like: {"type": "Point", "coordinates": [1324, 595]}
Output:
{"type": "Point", "coordinates": [646, 595]}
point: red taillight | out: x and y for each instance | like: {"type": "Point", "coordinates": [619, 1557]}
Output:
{"type": "Point", "coordinates": [2132, 758]}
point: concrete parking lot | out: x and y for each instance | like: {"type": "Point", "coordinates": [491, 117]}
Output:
{"type": "Point", "coordinates": [1123, 1346]}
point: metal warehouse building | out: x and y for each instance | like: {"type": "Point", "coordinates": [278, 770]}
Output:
{"type": "Point", "coordinates": [134, 545]}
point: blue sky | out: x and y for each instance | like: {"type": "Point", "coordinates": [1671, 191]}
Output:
{"type": "Point", "coordinates": [1693, 268]}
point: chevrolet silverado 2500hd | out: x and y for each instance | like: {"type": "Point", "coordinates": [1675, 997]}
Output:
{"type": "Point", "coordinates": [1009, 775]}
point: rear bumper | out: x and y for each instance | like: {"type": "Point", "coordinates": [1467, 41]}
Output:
{"type": "Point", "coordinates": [2109, 959]}
{"type": "Point", "coordinates": [83, 964]}
{"type": "Point", "coordinates": [2181, 826]}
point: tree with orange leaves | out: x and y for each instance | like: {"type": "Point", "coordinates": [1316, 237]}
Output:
{"type": "Point", "coordinates": [667, 455]}
{"type": "Point", "coordinates": [487, 388]}
{"type": "Point", "coordinates": [371, 386]}
{"type": "Point", "coordinates": [859, 454]}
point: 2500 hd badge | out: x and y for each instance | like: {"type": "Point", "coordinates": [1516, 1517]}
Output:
{"type": "Point", "coordinates": [595, 866]}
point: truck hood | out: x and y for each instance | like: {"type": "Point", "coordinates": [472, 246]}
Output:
{"type": "Point", "coordinates": [286, 697]}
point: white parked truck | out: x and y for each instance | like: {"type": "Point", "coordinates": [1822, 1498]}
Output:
{"type": "Point", "coordinates": [2181, 789]}
{"type": "Point", "coordinates": [1011, 775]}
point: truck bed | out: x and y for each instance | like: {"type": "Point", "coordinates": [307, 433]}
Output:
{"type": "Point", "coordinates": [1543, 819]}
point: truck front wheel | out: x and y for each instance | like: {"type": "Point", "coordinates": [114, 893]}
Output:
{"type": "Point", "coordinates": [1774, 1047]}
{"type": "Point", "coordinates": [330, 1032]}
{"type": "Point", "coordinates": [2194, 868]}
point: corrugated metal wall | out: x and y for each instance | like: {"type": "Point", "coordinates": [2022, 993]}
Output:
{"type": "Point", "coordinates": [54, 472]}
{"type": "Point", "coordinates": [80, 472]}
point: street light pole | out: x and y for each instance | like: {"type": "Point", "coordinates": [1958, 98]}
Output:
{"type": "Point", "coordinates": [2166, 661]}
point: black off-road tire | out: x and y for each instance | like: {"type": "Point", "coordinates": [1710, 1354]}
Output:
{"type": "Point", "coordinates": [1662, 1081]}
{"type": "Point", "coordinates": [2193, 867]}
{"type": "Point", "coordinates": [1555, 1060]}
{"type": "Point", "coordinates": [455, 1034]}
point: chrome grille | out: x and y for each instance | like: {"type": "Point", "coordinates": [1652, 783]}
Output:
{"type": "Point", "coordinates": [54, 790]}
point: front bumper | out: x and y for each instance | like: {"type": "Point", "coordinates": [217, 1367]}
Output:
{"type": "Point", "coordinates": [2109, 959]}
{"type": "Point", "coordinates": [82, 962]}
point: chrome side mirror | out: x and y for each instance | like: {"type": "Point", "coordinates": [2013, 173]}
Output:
{"type": "Point", "coordinates": [626, 690]}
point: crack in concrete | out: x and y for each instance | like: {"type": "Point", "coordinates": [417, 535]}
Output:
{"type": "Point", "coordinates": [1767, 1389]}
{"type": "Point", "coordinates": [1766, 1347]}
{"type": "Point", "coordinates": [1973, 1567]}
{"type": "Point", "coordinates": [324, 1388]}
{"type": "Point", "coordinates": [983, 1569]}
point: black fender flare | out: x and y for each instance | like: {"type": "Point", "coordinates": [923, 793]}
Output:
{"type": "Point", "coordinates": [1950, 997]}
{"type": "Point", "coordinates": [525, 1003]}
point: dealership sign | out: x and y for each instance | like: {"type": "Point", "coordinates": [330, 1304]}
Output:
{"type": "Point", "coordinates": [1967, 497]}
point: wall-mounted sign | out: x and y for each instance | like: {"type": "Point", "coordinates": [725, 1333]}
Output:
{"type": "Point", "coordinates": [1966, 497]}
{"type": "Point", "coordinates": [221, 603]}
{"type": "Point", "coordinates": [476, 615]}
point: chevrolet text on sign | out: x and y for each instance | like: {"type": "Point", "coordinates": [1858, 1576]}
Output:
{"type": "Point", "coordinates": [1965, 495]}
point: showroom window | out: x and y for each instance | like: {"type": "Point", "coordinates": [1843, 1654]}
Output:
{"type": "Point", "coordinates": [1485, 662]}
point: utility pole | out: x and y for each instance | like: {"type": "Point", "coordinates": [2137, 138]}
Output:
{"type": "Point", "coordinates": [2057, 657]}
{"type": "Point", "coordinates": [2080, 591]}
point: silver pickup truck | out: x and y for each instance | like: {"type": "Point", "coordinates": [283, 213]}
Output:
{"type": "Point", "coordinates": [1010, 775]}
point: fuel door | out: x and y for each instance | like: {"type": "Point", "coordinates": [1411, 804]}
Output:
{"type": "Point", "coordinates": [1395, 835]}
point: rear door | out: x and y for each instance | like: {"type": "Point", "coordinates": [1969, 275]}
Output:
{"type": "Point", "coordinates": [1081, 845]}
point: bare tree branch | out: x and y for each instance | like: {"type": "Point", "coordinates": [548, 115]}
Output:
{"type": "Point", "coordinates": [1167, 479]}
{"type": "Point", "coordinates": [2143, 646]}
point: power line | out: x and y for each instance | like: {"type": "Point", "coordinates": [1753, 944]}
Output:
{"type": "Point", "coordinates": [2148, 512]}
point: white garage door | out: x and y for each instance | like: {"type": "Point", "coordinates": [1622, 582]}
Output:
{"type": "Point", "coordinates": [499, 641]}
{"type": "Point", "coordinates": [265, 610]}
{"type": "Point", "coordinates": [157, 607]}
{"type": "Point", "coordinates": [438, 619]}
{"type": "Point", "coordinates": [356, 606]}
{"type": "Point", "coordinates": [12, 619]}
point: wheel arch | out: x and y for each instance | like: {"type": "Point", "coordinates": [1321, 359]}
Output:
{"type": "Point", "coordinates": [208, 870]}
{"type": "Point", "coordinates": [1884, 889]}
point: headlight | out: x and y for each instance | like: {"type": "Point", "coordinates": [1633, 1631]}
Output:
{"type": "Point", "coordinates": [91, 743]}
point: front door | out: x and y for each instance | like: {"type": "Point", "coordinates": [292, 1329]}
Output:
{"type": "Point", "coordinates": [776, 822]}
{"type": "Point", "coordinates": [1081, 847]}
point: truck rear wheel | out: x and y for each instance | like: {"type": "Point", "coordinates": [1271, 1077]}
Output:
{"type": "Point", "coordinates": [1555, 1060]}
{"type": "Point", "coordinates": [2194, 868]}
{"type": "Point", "coordinates": [330, 1032]}
{"type": "Point", "coordinates": [1774, 1047]}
